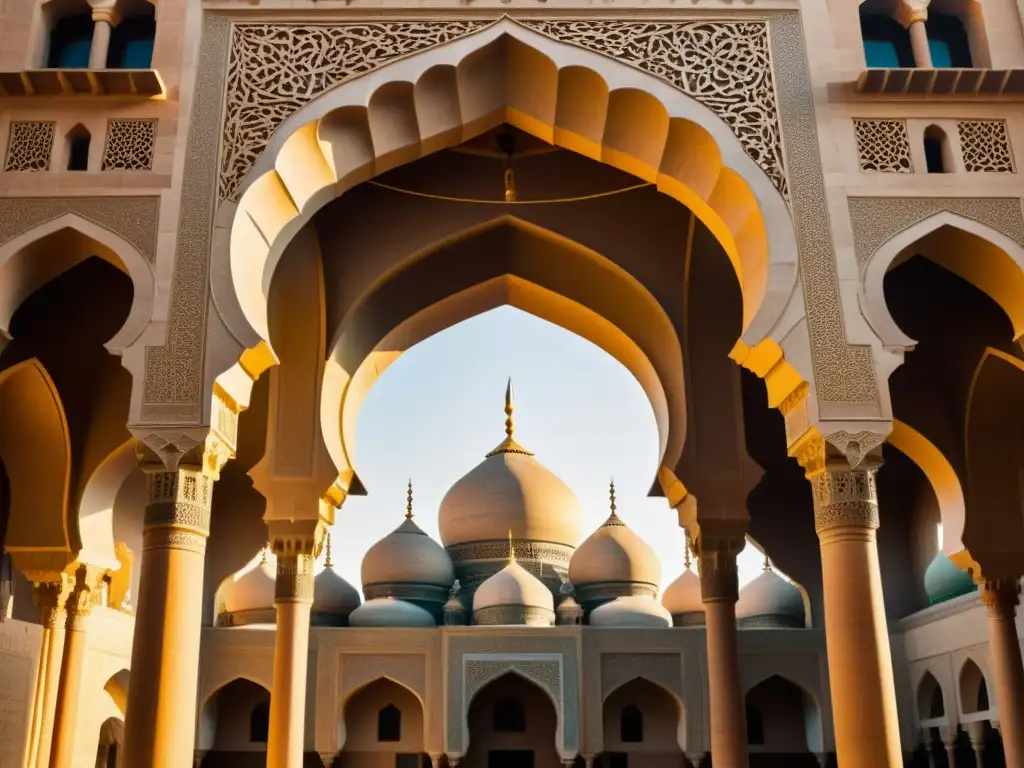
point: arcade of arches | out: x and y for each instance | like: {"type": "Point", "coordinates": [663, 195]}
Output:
{"type": "Point", "coordinates": [168, 592]}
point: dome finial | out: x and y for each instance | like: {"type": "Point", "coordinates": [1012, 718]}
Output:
{"type": "Point", "coordinates": [408, 501]}
{"type": "Point", "coordinates": [327, 550]}
{"type": "Point", "coordinates": [767, 562]}
{"type": "Point", "coordinates": [611, 495]}
{"type": "Point", "coordinates": [509, 444]}
{"type": "Point", "coordinates": [511, 549]}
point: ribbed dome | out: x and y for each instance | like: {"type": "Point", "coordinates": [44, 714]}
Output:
{"type": "Point", "coordinates": [682, 599]}
{"type": "Point", "coordinates": [408, 556]}
{"type": "Point", "coordinates": [631, 611]}
{"type": "Point", "coordinates": [510, 491]}
{"type": "Point", "coordinates": [944, 581]}
{"type": "Point", "coordinates": [390, 612]}
{"type": "Point", "coordinates": [250, 599]}
{"type": "Point", "coordinates": [770, 601]}
{"type": "Point", "coordinates": [614, 562]}
{"type": "Point", "coordinates": [513, 596]}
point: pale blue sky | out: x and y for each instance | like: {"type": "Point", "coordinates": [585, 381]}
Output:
{"type": "Point", "coordinates": [439, 408]}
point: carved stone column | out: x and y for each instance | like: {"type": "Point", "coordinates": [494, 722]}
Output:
{"type": "Point", "coordinates": [856, 635]}
{"type": "Point", "coordinates": [719, 587]}
{"type": "Point", "coordinates": [51, 597]}
{"type": "Point", "coordinates": [79, 605]}
{"type": "Point", "coordinates": [160, 724]}
{"type": "Point", "coordinates": [1001, 597]}
{"type": "Point", "coordinates": [293, 601]}
{"type": "Point", "coordinates": [913, 14]}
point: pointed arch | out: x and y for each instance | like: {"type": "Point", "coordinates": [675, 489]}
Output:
{"type": "Point", "coordinates": [931, 700]}
{"type": "Point", "coordinates": [206, 721]}
{"type": "Point", "coordinates": [563, 94]}
{"type": "Point", "coordinates": [408, 733]}
{"type": "Point", "coordinates": [973, 689]}
{"type": "Point", "coordinates": [943, 479]}
{"type": "Point", "coordinates": [814, 726]}
{"type": "Point", "coordinates": [680, 731]}
{"type": "Point", "coordinates": [995, 266]}
{"type": "Point", "coordinates": [95, 511]}
{"type": "Point", "coordinates": [38, 255]}
{"type": "Point", "coordinates": [494, 678]}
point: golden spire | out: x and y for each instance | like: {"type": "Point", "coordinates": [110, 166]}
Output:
{"type": "Point", "coordinates": [613, 518]}
{"type": "Point", "coordinates": [408, 502]}
{"type": "Point", "coordinates": [687, 559]}
{"type": "Point", "coordinates": [511, 549]}
{"type": "Point", "coordinates": [509, 444]}
{"type": "Point", "coordinates": [327, 549]}
{"type": "Point", "coordinates": [767, 562]}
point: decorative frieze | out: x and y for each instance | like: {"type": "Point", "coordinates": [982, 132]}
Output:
{"type": "Point", "coordinates": [129, 145]}
{"type": "Point", "coordinates": [985, 146]}
{"type": "Point", "coordinates": [883, 146]}
{"type": "Point", "coordinates": [294, 581]}
{"type": "Point", "coordinates": [29, 146]}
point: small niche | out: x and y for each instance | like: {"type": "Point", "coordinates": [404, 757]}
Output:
{"type": "Point", "coordinates": [78, 141]}
{"type": "Point", "coordinates": [937, 156]}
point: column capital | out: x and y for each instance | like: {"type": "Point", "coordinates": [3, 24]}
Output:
{"type": "Point", "coordinates": [841, 469]}
{"type": "Point", "coordinates": [84, 595]}
{"type": "Point", "coordinates": [1001, 597]}
{"type": "Point", "coordinates": [52, 598]}
{"type": "Point", "coordinates": [911, 11]}
{"type": "Point", "coordinates": [294, 583]}
{"type": "Point", "coordinates": [716, 564]}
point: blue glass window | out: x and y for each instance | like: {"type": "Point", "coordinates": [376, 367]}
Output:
{"type": "Point", "coordinates": [131, 43]}
{"type": "Point", "coordinates": [70, 42]}
{"type": "Point", "coordinates": [947, 41]}
{"type": "Point", "coordinates": [886, 42]}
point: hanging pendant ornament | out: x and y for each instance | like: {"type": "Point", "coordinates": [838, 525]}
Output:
{"type": "Point", "coordinates": [507, 144]}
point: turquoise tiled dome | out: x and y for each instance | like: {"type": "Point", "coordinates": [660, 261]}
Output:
{"type": "Point", "coordinates": [944, 581]}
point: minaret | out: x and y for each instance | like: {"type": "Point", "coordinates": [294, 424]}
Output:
{"type": "Point", "coordinates": [509, 444]}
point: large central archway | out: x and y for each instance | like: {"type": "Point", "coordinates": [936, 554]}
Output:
{"type": "Point", "coordinates": [563, 95]}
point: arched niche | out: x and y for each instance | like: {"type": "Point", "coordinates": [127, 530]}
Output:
{"type": "Point", "coordinates": [538, 735]}
{"type": "Point", "coordinates": [658, 712]}
{"type": "Point", "coordinates": [225, 725]}
{"type": "Point", "coordinates": [931, 703]}
{"type": "Point", "coordinates": [973, 689]}
{"type": "Point", "coordinates": [380, 720]}
{"type": "Point", "coordinates": [785, 719]}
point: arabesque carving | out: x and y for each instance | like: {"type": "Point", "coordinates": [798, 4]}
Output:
{"type": "Point", "coordinates": [129, 145]}
{"type": "Point", "coordinates": [883, 146]}
{"type": "Point", "coordinates": [29, 146]}
{"type": "Point", "coordinates": [985, 146]}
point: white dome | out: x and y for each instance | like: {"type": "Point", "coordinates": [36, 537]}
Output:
{"type": "Point", "coordinates": [770, 601]}
{"type": "Point", "coordinates": [683, 595]}
{"type": "Point", "coordinates": [510, 491]}
{"type": "Point", "coordinates": [407, 556]}
{"type": "Point", "coordinates": [513, 585]}
{"type": "Point", "coordinates": [614, 553]}
{"type": "Point", "coordinates": [631, 611]}
{"type": "Point", "coordinates": [333, 595]}
{"type": "Point", "coordinates": [390, 612]}
{"type": "Point", "coordinates": [254, 591]}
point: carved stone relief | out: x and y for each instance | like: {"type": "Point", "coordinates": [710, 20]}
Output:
{"type": "Point", "coordinates": [29, 146]}
{"type": "Point", "coordinates": [133, 218]}
{"type": "Point", "coordinates": [876, 220]}
{"type": "Point", "coordinates": [883, 145]}
{"type": "Point", "coordinates": [129, 145]}
{"type": "Point", "coordinates": [985, 146]}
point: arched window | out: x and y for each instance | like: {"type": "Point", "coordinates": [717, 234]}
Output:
{"type": "Point", "coordinates": [509, 715]}
{"type": "Point", "coordinates": [983, 704]}
{"type": "Point", "coordinates": [389, 724]}
{"type": "Point", "coordinates": [886, 42]}
{"type": "Point", "coordinates": [937, 155]}
{"type": "Point", "coordinates": [70, 42]}
{"type": "Point", "coordinates": [755, 726]}
{"type": "Point", "coordinates": [131, 42]}
{"type": "Point", "coordinates": [259, 723]}
{"type": "Point", "coordinates": [78, 141]}
{"type": "Point", "coordinates": [631, 724]}
{"type": "Point", "coordinates": [947, 41]}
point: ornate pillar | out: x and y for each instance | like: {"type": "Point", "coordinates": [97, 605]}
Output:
{"type": "Point", "coordinates": [293, 602]}
{"type": "Point", "coordinates": [719, 587]}
{"type": "Point", "coordinates": [79, 604]}
{"type": "Point", "coordinates": [856, 635]}
{"type": "Point", "coordinates": [1001, 597]}
{"type": "Point", "coordinates": [160, 726]}
{"type": "Point", "coordinates": [51, 597]}
{"type": "Point", "coordinates": [913, 14]}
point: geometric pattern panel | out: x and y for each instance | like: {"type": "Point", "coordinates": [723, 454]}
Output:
{"type": "Point", "coordinates": [29, 146]}
{"type": "Point", "coordinates": [129, 145]}
{"type": "Point", "coordinates": [985, 146]}
{"type": "Point", "coordinates": [883, 145]}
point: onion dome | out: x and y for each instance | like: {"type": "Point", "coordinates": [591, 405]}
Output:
{"type": "Point", "coordinates": [769, 601]}
{"type": "Point", "coordinates": [613, 562]}
{"type": "Point", "coordinates": [944, 581]}
{"type": "Point", "coordinates": [682, 598]}
{"type": "Point", "coordinates": [390, 612]}
{"type": "Point", "coordinates": [631, 611]}
{"type": "Point", "coordinates": [250, 599]}
{"type": "Point", "coordinates": [513, 596]}
{"type": "Point", "coordinates": [409, 565]}
{"type": "Point", "coordinates": [333, 597]}
{"type": "Point", "coordinates": [510, 491]}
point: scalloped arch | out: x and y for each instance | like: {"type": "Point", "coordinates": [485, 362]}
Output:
{"type": "Point", "coordinates": [505, 72]}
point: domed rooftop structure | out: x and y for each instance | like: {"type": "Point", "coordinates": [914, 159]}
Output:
{"type": "Point", "coordinates": [390, 612]}
{"type": "Point", "coordinates": [509, 491]}
{"type": "Point", "coordinates": [769, 601]}
{"type": "Point", "coordinates": [513, 596]}
{"type": "Point", "coordinates": [250, 599]}
{"type": "Point", "coordinates": [613, 562]}
{"type": "Point", "coordinates": [682, 598]}
{"type": "Point", "coordinates": [944, 581]}
{"type": "Point", "coordinates": [409, 565]}
{"type": "Point", "coordinates": [631, 611]}
{"type": "Point", "coordinates": [334, 599]}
